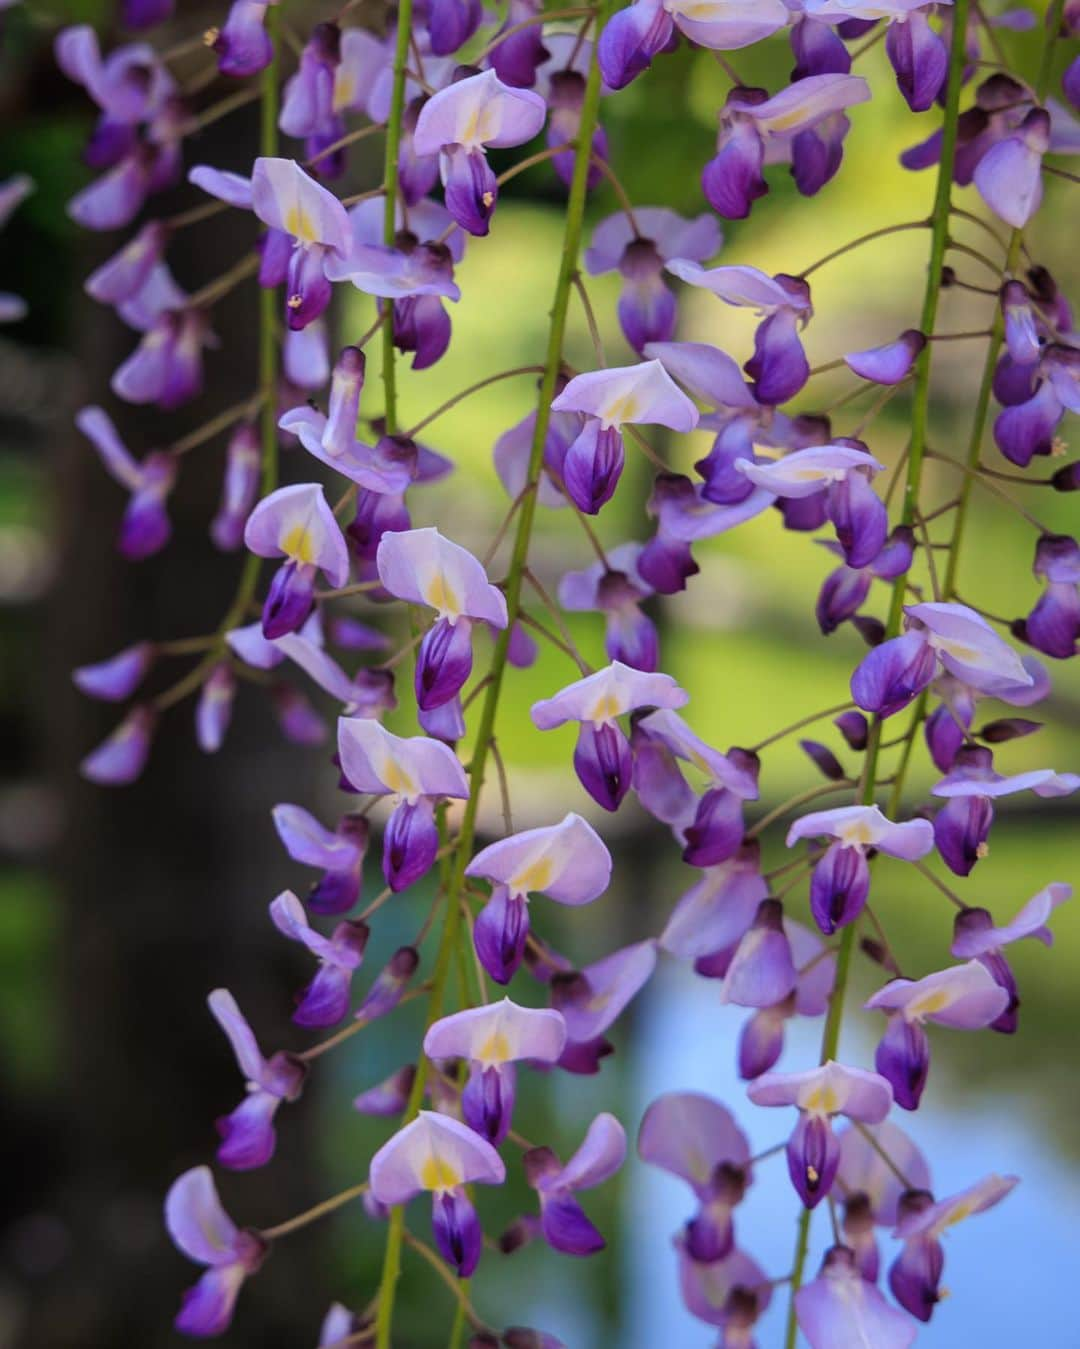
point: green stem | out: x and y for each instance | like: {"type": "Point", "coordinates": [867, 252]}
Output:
{"type": "Point", "coordinates": [997, 332]}
{"type": "Point", "coordinates": [916, 452]}
{"type": "Point", "coordinates": [390, 187]}
{"type": "Point", "coordinates": [515, 579]}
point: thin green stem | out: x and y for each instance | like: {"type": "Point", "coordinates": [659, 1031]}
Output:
{"type": "Point", "coordinates": [526, 515]}
{"type": "Point", "coordinates": [916, 452]}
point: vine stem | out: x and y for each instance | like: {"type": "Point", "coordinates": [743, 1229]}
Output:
{"type": "Point", "coordinates": [526, 515]}
{"type": "Point", "coordinates": [939, 239]}
{"type": "Point", "coordinates": [390, 187]}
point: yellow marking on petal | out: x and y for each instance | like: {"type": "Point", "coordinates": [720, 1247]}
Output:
{"type": "Point", "coordinates": [786, 120]}
{"type": "Point", "coordinates": [494, 1050]}
{"type": "Point", "coordinates": [344, 90]}
{"type": "Point", "coordinates": [928, 1004]}
{"type": "Point", "coordinates": [298, 544]}
{"type": "Point", "coordinates": [442, 596]}
{"type": "Point", "coordinates": [959, 1213]}
{"type": "Point", "coordinates": [300, 225]}
{"type": "Point", "coordinates": [598, 1002]}
{"type": "Point", "coordinates": [606, 707]}
{"type": "Point", "coordinates": [533, 877]}
{"type": "Point", "coordinates": [859, 833]}
{"type": "Point", "coordinates": [822, 1100]}
{"type": "Point", "coordinates": [438, 1174]}
{"type": "Point", "coordinates": [397, 780]}
{"type": "Point", "coordinates": [623, 409]}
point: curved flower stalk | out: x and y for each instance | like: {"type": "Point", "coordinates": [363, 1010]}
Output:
{"type": "Point", "coordinates": [448, 84]}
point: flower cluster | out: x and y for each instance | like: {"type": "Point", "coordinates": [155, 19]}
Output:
{"type": "Point", "coordinates": [445, 86]}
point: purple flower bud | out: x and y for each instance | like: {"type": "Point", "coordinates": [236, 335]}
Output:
{"type": "Point", "coordinates": [116, 679]}
{"type": "Point", "coordinates": [630, 40]}
{"type": "Point", "coordinates": [296, 716]}
{"type": "Point", "coordinates": [242, 44]}
{"type": "Point", "coordinates": [919, 57]}
{"type": "Point", "coordinates": [239, 487]}
{"type": "Point", "coordinates": [854, 727]}
{"type": "Point", "coordinates": [121, 757]}
{"type": "Point", "coordinates": [516, 57]}
{"type": "Point", "coordinates": [825, 760]}
{"type": "Point", "coordinates": [126, 272]}
{"type": "Point", "coordinates": [214, 709]}
{"type": "Point", "coordinates": [390, 1096]}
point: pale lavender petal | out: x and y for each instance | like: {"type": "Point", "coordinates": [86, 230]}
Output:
{"type": "Point", "coordinates": [568, 862]}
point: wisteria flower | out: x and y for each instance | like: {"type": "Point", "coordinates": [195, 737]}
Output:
{"type": "Point", "coordinates": [459, 123]}
{"type": "Point", "coordinates": [417, 772]}
{"type": "Point", "coordinates": [840, 1307]}
{"type": "Point", "coordinates": [338, 854]}
{"type": "Point", "coordinates": [491, 1039]}
{"type": "Point", "coordinates": [440, 1155]}
{"type": "Point", "coordinates": [965, 997]}
{"type": "Point", "coordinates": [205, 1233]}
{"type": "Point", "coordinates": [563, 1222]}
{"type": "Point", "coordinates": [976, 937]}
{"type": "Point", "coordinates": [248, 1136]}
{"type": "Point", "coordinates": [145, 528]}
{"type": "Point", "coordinates": [1053, 626]}
{"type": "Point", "coordinates": [326, 999]}
{"type": "Point", "coordinates": [642, 394]}
{"type": "Point", "coordinates": [638, 252]}
{"type": "Point", "coordinates": [918, 55]}
{"type": "Point", "coordinates": [813, 1150]}
{"type": "Point", "coordinates": [288, 200]}
{"type": "Point", "coordinates": [872, 1187]}
{"type": "Point", "coordinates": [422, 567]}
{"type": "Point", "coordinates": [617, 590]}
{"type": "Point", "coordinates": [962, 827]}
{"type": "Point", "coordinates": [592, 999]}
{"type": "Point", "coordinates": [1009, 175]}
{"type": "Point", "coordinates": [602, 755]}
{"type": "Point", "coordinates": [696, 1138]}
{"type": "Point", "coordinates": [567, 862]}
{"type": "Point", "coordinates": [122, 755]}
{"type": "Point", "coordinates": [731, 1293]}
{"type": "Point", "coordinates": [915, 1275]}
{"type": "Point", "coordinates": [114, 680]}
{"type": "Point", "coordinates": [840, 882]}
{"type": "Point", "coordinates": [761, 1040]}
{"type": "Point", "coordinates": [295, 523]}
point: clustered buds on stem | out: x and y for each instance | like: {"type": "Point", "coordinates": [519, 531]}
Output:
{"type": "Point", "coordinates": [445, 91]}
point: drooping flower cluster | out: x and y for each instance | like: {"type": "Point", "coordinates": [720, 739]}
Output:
{"type": "Point", "coordinates": [447, 85]}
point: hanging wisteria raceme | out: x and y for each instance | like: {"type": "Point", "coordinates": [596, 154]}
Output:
{"type": "Point", "coordinates": [350, 541]}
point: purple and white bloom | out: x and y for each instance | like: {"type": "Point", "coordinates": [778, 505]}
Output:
{"type": "Point", "coordinates": [339, 854]}
{"type": "Point", "coordinates": [116, 679]}
{"type": "Point", "coordinates": [568, 862]}
{"type": "Point", "coordinates": [325, 1000]}
{"type": "Point", "coordinates": [389, 985]}
{"type": "Point", "coordinates": [145, 528]}
{"type": "Point", "coordinates": [593, 998]}
{"type": "Point", "coordinates": [310, 109]}
{"type": "Point", "coordinates": [166, 367]}
{"type": "Point", "coordinates": [711, 918]}
{"type": "Point", "coordinates": [492, 1038]}
{"type": "Point", "coordinates": [842, 473]}
{"type": "Point", "coordinates": [778, 367]}
{"type": "Point", "coordinates": [1053, 626]}
{"type": "Point", "coordinates": [1009, 174]}
{"type": "Point", "coordinates": [297, 524]}
{"type": "Point", "coordinates": [563, 1222]}
{"type": "Point", "coordinates": [440, 1155]}
{"type": "Point", "coordinates": [633, 36]}
{"type": "Point", "coordinates": [976, 938]}
{"type": "Point", "coordinates": [127, 271]}
{"type": "Point", "coordinates": [915, 1275]}
{"type": "Point", "coordinates": [761, 1040]}
{"type": "Point", "coordinates": [459, 123]}
{"type": "Point", "coordinates": [386, 469]}
{"type": "Point", "coordinates": [201, 1228]}
{"type": "Point", "coordinates": [891, 363]}
{"type": "Point", "coordinates": [962, 827]}
{"type": "Point", "coordinates": [804, 123]}
{"type": "Point", "coordinates": [1037, 397]}
{"type": "Point", "coordinates": [813, 1150]}
{"type": "Point", "coordinates": [616, 589]}
{"type": "Point", "coordinates": [697, 1139]}
{"type": "Point", "coordinates": [514, 447]}
{"type": "Point", "coordinates": [842, 1310]}
{"type": "Point", "coordinates": [965, 997]}
{"type": "Point", "coordinates": [919, 56]}
{"type": "Point", "coordinates": [843, 591]}
{"type": "Point", "coordinates": [872, 1189]}
{"type": "Point", "coordinates": [288, 200]}
{"type": "Point", "coordinates": [642, 394]}
{"type": "Point", "coordinates": [417, 772]}
{"type": "Point", "coordinates": [730, 1293]}
{"type": "Point", "coordinates": [646, 305]}
{"type": "Point", "coordinates": [892, 674]}
{"type": "Point", "coordinates": [420, 566]}
{"type": "Point", "coordinates": [239, 487]}
{"type": "Point", "coordinates": [130, 85]}
{"type": "Point", "coordinates": [242, 43]}
{"type": "Point", "coordinates": [122, 755]}
{"type": "Point", "coordinates": [602, 755]}
{"type": "Point", "coordinates": [840, 882]}
{"type": "Point", "coordinates": [248, 1136]}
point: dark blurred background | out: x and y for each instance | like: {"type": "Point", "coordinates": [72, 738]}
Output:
{"type": "Point", "coordinates": [120, 909]}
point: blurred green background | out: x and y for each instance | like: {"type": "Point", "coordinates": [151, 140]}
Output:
{"type": "Point", "coordinates": [122, 909]}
